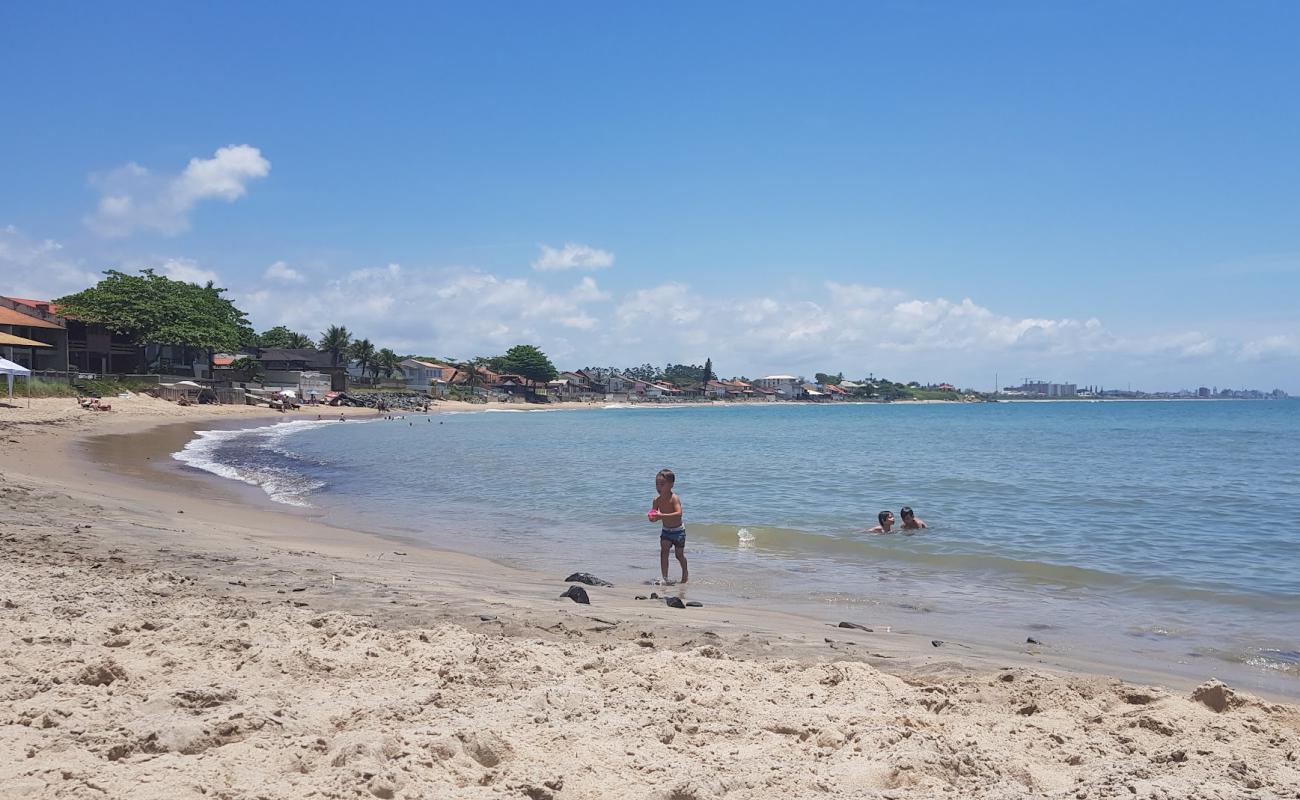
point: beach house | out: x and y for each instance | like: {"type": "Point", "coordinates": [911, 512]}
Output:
{"type": "Point", "coordinates": [282, 367]}
{"type": "Point", "coordinates": [420, 375]}
{"type": "Point", "coordinates": [787, 387]}
{"type": "Point", "coordinates": [32, 336]}
{"type": "Point", "coordinates": [91, 347]}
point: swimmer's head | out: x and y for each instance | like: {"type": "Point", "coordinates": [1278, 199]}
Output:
{"type": "Point", "coordinates": [906, 512]}
{"type": "Point", "coordinates": [885, 517]}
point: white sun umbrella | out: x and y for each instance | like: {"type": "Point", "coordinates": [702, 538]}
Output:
{"type": "Point", "coordinates": [9, 369]}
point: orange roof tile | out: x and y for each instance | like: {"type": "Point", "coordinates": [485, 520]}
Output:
{"type": "Point", "coordinates": [8, 316]}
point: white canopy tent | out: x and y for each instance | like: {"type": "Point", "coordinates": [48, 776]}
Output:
{"type": "Point", "coordinates": [9, 369]}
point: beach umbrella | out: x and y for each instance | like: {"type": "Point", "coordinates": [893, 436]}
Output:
{"type": "Point", "coordinates": [9, 369]}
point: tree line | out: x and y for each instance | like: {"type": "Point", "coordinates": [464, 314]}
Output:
{"type": "Point", "coordinates": [149, 308]}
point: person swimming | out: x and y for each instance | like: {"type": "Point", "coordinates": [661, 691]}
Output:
{"type": "Point", "coordinates": [886, 523]}
{"type": "Point", "coordinates": [910, 521]}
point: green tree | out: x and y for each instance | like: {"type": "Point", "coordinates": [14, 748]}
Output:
{"type": "Point", "coordinates": [829, 380]}
{"type": "Point", "coordinates": [528, 362]}
{"type": "Point", "coordinates": [152, 309]}
{"type": "Point", "coordinates": [388, 362]}
{"type": "Point", "coordinates": [474, 376]}
{"type": "Point", "coordinates": [247, 369]}
{"type": "Point", "coordinates": [362, 351]}
{"type": "Point", "coordinates": [335, 340]}
{"type": "Point", "coordinates": [708, 371]}
{"type": "Point", "coordinates": [645, 372]}
{"type": "Point", "coordinates": [683, 374]}
{"type": "Point", "coordinates": [280, 336]}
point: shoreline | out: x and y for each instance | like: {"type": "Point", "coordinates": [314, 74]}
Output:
{"type": "Point", "coordinates": [115, 536]}
{"type": "Point", "coordinates": [146, 456]}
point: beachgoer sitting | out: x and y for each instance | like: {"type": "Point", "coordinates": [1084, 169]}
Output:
{"type": "Point", "coordinates": [910, 520]}
{"type": "Point", "coordinates": [886, 523]}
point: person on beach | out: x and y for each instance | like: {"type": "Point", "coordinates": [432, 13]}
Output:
{"type": "Point", "coordinates": [667, 511]}
{"type": "Point", "coordinates": [886, 523]}
{"type": "Point", "coordinates": [910, 521]}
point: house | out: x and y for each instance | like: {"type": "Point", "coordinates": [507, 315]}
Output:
{"type": "Point", "coordinates": [714, 390]}
{"type": "Point", "coordinates": [572, 386]}
{"type": "Point", "coordinates": [421, 375]}
{"type": "Point", "coordinates": [651, 390]}
{"type": "Point", "coordinates": [282, 367]}
{"type": "Point", "coordinates": [946, 387]}
{"type": "Point", "coordinates": [91, 347]}
{"type": "Point", "coordinates": [811, 392]}
{"type": "Point", "coordinates": [787, 387]}
{"type": "Point", "coordinates": [515, 386]}
{"type": "Point", "coordinates": [835, 392]}
{"type": "Point", "coordinates": [30, 321]}
{"type": "Point", "coordinates": [619, 384]}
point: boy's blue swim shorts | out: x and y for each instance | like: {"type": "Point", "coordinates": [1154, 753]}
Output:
{"type": "Point", "coordinates": [676, 538]}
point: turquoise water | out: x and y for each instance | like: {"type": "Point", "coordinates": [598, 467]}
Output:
{"type": "Point", "coordinates": [1165, 535]}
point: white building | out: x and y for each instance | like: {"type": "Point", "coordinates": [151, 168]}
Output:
{"type": "Point", "coordinates": [421, 375]}
{"type": "Point", "coordinates": [788, 387]}
{"type": "Point", "coordinates": [1045, 389]}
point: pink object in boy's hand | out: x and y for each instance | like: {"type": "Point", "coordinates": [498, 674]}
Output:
{"type": "Point", "coordinates": [652, 514]}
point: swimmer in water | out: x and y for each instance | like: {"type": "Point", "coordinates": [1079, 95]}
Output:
{"type": "Point", "coordinates": [910, 520]}
{"type": "Point", "coordinates": [886, 522]}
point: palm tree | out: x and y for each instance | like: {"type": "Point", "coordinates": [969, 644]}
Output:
{"type": "Point", "coordinates": [389, 362]}
{"type": "Point", "coordinates": [362, 352]}
{"type": "Point", "coordinates": [299, 341]}
{"type": "Point", "coordinates": [473, 373]}
{"type": "Point", "coordinates": [335, 341]}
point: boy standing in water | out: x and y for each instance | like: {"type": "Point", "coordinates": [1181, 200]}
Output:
{"type": "Point", "coordinates": [667, 511]}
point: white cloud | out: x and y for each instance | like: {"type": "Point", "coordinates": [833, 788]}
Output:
{"type": "Point", "coordinates": [188, 270]}
{"type": "Point", "coordinates": [135, 199]}
{"type": "Point", "coordinates": [850, 327]}
{"type": "Point", "coordinates": [572, 256]}
{"type": "Point", "coordinates": [280, 272]}
{"type": "Point", "coordinates": [436, 311]}
{"type": "Point", "coordinates": [39, 269]}
{"type": "Point", "coordinates": [1271, 347]}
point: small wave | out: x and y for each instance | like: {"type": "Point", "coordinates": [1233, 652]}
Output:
{"type": "Point", "coordinates": [1286, 662]}
{"type": "Point", "coordinates": [744, 538]}
{"type": "Point", "coordinates": [281, 484]}
{"type": "Point", "coordinates": [943, 557]}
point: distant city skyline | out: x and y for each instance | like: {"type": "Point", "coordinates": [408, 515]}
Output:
{"type": "Point", "coordinates": [938, 194]}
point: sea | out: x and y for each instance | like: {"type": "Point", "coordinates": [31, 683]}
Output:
{"type": "Point", "coordinates": [1156, 536]}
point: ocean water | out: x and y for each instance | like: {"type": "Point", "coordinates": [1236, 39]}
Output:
{"type": "Point", "coordinates": [1158, 535]}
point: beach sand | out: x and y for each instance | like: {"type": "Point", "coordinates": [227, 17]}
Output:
{"type": "Point", "coordinates": [168, 637]}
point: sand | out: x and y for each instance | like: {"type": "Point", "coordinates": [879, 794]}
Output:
{"type": "Point", "coordinates": [164, 638]}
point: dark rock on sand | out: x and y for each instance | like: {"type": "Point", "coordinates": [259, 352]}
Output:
{"type": "Point", "coordinates": [654, 595]}
{"type": "Point", "coordinates": [640, 597]}
{"type": "Point", "coordinates": [675, 602]}
{"type": "Point", "coordinates": [937, 642]}
{"type": "Point", "coordinates": [487, 618]}
{"type": "Point", "coordinates": [587, 578]}
{"type": "Point", "coordinates": [1032, 640]}
{"type": "Point", "coordinates": [578, 595]}
{"type": "Point", "coordinates": [695, 604]}
{"type": "Point", "coordinates": [855, 626]}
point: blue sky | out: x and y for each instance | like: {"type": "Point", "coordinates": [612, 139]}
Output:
{"type": "Point", "coordinates": [1104, 192]}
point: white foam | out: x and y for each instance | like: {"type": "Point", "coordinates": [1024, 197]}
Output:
{"type": "Point", "coordinates": [281, 485]}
